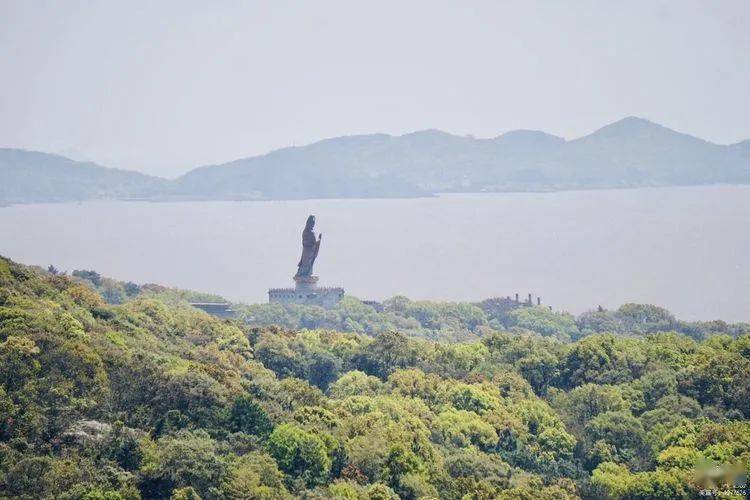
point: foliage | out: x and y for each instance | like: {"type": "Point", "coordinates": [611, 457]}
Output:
{"type": "Point", "coordinates": [467, 322]}
{"type": "Point", "coordinates": [299, 453]}
{"type": "Point", "coordinates": [146, 397]}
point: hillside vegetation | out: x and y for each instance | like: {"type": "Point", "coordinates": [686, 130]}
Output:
{"type": "Point", "coordinates": [150, 398]}
{"type": "Point", "coordinates": [440, 321]}
{"type": "Point", "coordinates": [465, 322]}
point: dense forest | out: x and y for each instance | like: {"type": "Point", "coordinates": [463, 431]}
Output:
{"type": "Point", "coordinates": [462, 321]}
{"type": "Point", "coordinates": [440, 321]}
{"type": "Point", "coordinates": [113, 390]}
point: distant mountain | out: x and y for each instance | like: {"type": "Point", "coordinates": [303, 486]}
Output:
{"type": "Point", "coordinates": [636, 152]}
{"type": "Point", "coordinates": [741, 148]}
{"type": "Point", "coordinates": [632, 152]}
{"type": "Point", "coordinates": [334, 168]}
{"type": "Point", "coordinates": [29, 176]}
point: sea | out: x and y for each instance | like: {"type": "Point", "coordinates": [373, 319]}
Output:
{"type": "Point", "coordinates": [684, 248]}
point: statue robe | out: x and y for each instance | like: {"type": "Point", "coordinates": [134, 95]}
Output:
{"type": "Point", "coordinates": [310, 247]}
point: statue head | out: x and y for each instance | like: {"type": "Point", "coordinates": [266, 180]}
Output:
{"type": "Point", "coordinates": [310, 222]}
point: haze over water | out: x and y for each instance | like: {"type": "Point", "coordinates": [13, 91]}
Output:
{"type": "Point", "coordinates": [682, 248]}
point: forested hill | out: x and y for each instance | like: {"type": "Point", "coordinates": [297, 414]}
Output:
{"type": "Point", "coordinates": [632, 152]}
{"type": "Point", "coordinates": [151, 398]}
{"type": "Point", "coordinates": [29, 177]}
{"type": "Point", "coordinates": [430, 320]}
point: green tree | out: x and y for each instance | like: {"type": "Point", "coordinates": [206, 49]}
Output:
{"type": "Point", "coordinates": [255, 476]}
{"type": "Point", "coordinates": [623, 433]}
{"type": "Point", "coordinates": [545, 322]}
{"type": "Point", "coordinates": [388, 352]}
{"type": "Point", "coordinates": [247, 416]}
{"type": "Point", "coordinates": [190, 459]}
{"type": "Point", "coordinates": [299, 453]}
{"type": "Point", "coordinates": [19, 361]}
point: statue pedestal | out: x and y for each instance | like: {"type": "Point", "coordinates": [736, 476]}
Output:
{"type": "Point", "coordinates": [306, 292]}
{"type": "Point", "coordinates": [306, 283]}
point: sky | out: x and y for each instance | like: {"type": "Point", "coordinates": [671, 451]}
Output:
{"type": "Point", "coordinates": [163, 87]}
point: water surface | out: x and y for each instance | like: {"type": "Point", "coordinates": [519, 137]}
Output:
{"type": "Point", "coordinates": [684, 248]}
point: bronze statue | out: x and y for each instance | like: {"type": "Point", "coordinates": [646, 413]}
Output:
{"type": "Point", "coordinates": [310, 247]}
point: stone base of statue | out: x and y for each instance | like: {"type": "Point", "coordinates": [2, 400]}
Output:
{"type": "Point", "coordinates": [306, 292]}
{"type": "Point", "coordinates": [306, 282]}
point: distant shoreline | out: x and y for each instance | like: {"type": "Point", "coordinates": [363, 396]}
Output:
{"type": "Point", "coordinates": [176, 199]}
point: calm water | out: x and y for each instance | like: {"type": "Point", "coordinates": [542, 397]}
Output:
{"type": "Point", "coordinates": [684, 248]}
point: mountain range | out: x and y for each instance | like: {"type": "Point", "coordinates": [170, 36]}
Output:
{"type": "Point", "coordinates": [632, 152]}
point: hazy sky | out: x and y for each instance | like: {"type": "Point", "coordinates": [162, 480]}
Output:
{"type": "Point", "coordinates": [165, 86]}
